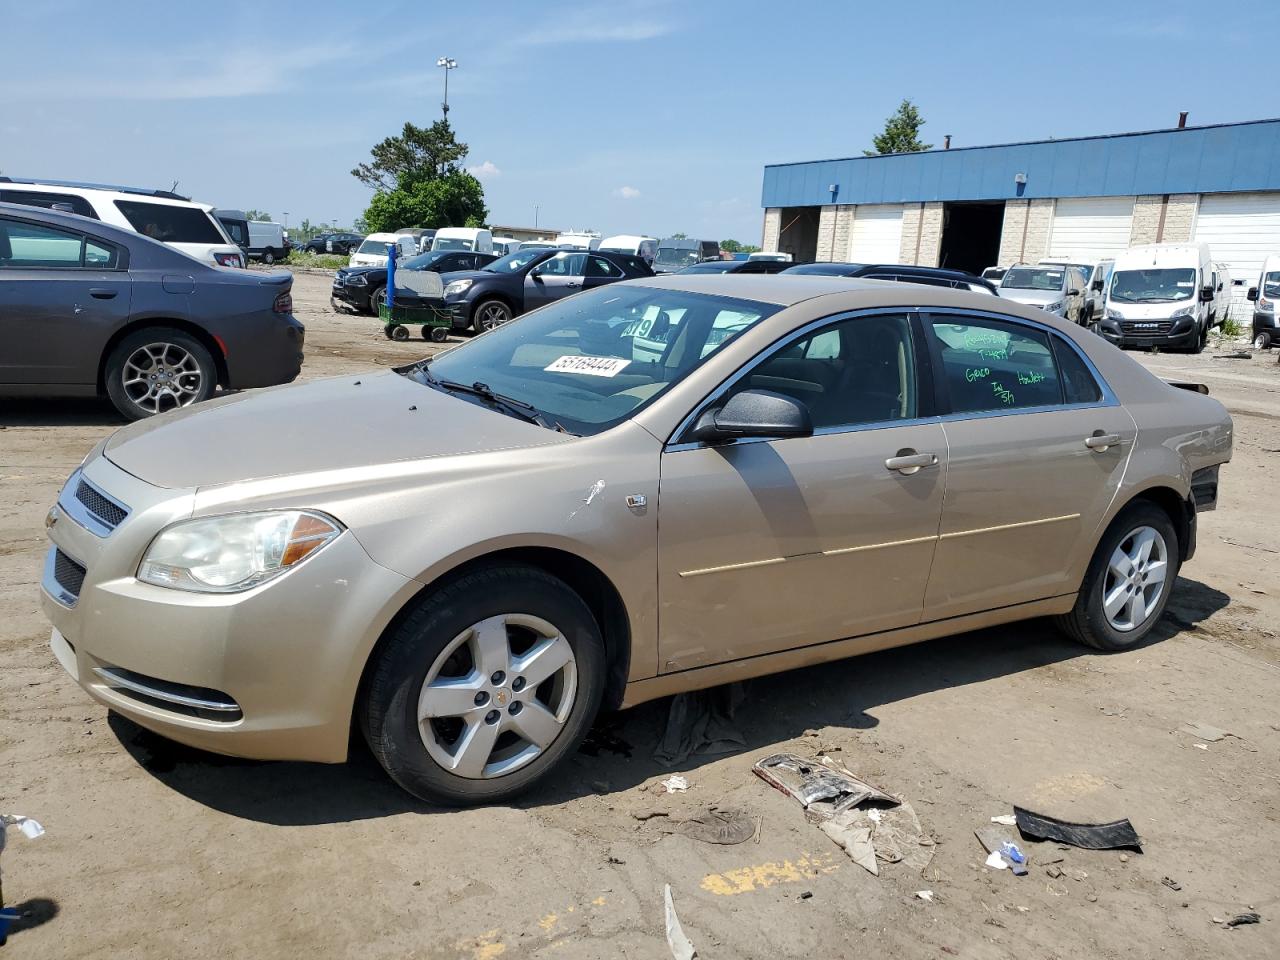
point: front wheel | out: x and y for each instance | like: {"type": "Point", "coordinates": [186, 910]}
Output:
{"type": "Point", "coordinates": [159, 369]}
{"type": "Point", "coordinates": [1262, 341]}
{"type": "Point", "coordinates": [268, 257]}
{"type": "Point", "coordinates": [485, 687]}
{"type": "Point", "coordinates": [489, 314]}
{"type": "Point", "coordinates": [377, 297]}
{"type": "Point", "coordinates": [1126, 587]}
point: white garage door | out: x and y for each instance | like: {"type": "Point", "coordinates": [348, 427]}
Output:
{"type": "Point", "coordinates": [877, 233]}
{"type": "Point", "coordinates": [1089, 229]}
{"type": "Point", "coordinates": [1240, 229]}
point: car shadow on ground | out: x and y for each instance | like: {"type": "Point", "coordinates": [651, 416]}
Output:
{"type": "Point", "coordinates": [59, 412]}
{"type": "Point", "coordinates": [618, 753]}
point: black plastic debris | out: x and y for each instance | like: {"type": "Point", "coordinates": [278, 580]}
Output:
{"type": "Point", "coordinates": [1241, 919]}
{"type": "Point", "coordinates": [1118, 835]}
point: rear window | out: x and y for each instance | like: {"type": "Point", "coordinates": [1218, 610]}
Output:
{"type": "Point", "coordinates": [170, 224]}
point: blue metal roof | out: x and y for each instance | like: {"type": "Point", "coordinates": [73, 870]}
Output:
{"type": "Point", "coordinates": [1211, 159]}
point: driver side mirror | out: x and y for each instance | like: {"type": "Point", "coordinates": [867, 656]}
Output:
{"type": "Point", "coordinates": [1073, 292]}
{"type": "Point", "coordinates": [1206, 294]}
{"type": "Point", "coordinates": [754, 413]}
{"type": "Point", "coordinates": [1252, 295]}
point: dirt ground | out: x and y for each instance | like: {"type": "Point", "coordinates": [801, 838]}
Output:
{"type": "Point", "coordinates": [156, 851]}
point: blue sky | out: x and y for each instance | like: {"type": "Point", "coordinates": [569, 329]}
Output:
{"type": "Point", "coordinates": [637, 117]}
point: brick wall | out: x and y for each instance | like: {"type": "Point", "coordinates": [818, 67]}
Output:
{"type": "Point", "coordinates": [772, 227]}
{"type": "Point", "coordinates": [1015, 221]}
{"type": "Point", "coordinates": [1039, 226]}
{"type": "Point", "coordinates": [930, 234]}
{"type": "Point", "coordinates": [912, 214]}
{"type": "Point", "coordinates": [844, 230]}
{"type": "Point", "coordinates": [835, 223]}
{"type": "Point", "coordinates": [1179, 217]}
{"type": "Point", "coordinates": [1146, 219]}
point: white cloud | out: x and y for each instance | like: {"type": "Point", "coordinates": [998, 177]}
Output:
{"type": "Point", "coordinates": [485, 171]}
{"type": "Point", "coordinates": [593, 33]}
{"type": "Point", "coordinates": [627, 193]}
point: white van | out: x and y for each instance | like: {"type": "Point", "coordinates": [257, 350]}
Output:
{"type": "Point", "coordinates": [646, 248]}
{"type": "Point", "coordinates": [1160, 295]}
{"type": "Point", "coordinates": [266, 241]}
{"type": "Point", "coordinates": [372, 251]}
{"type": "Point", "coordinates": [504, 245]}
{"type": "Point", "coordinates": [159, 214]}
{"type": "Point", "coordinates": [578, 240]}
{"type": "Point", "coordinates": [770, 257]}
{"type": "Point", "coordinates": [463, 238]}
{"type": "Point", "coordinates": [1221, 294]}
{"type": "Point", "coordinates": [1266, 318]}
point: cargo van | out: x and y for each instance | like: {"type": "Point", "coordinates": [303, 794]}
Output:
{"type": "Point", "coordinates": [1221, 294]}
{"type": "Point", "coordinates": [463, 238]}
{"type": "Point", "coordinates": [1160, 295]}
{"type": "Point", "coordinates": [578, 240]}
{"type": "Point", "coordinates": [646, 248]}
{"type": "Point", "coordinates": [504, 245]}
{"type": "Point", "coordinates": [266, 241]}
{"type": "Point", "coordinates": [1266, 330]}
{"type": "Point", "coordinates": [676, 253]}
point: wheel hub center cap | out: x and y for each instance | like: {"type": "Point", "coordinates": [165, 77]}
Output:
{"type": "Point", "coordinates": [501, 698]}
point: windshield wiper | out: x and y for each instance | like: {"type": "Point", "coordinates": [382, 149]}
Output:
{"type": "Point", "coordinates": [514, 407]}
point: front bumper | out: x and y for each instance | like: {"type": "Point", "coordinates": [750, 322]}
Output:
{"type": "Point", "coordinates": [1266, 323]}
{"type": "Point", "coordinates": [1182, 332]}
{"type": "Point", "coordinates": [357, 297]}
{"type": "Point", "coordinates": [271, 673]}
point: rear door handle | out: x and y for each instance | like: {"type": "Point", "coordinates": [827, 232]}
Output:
{"type": "Point", "coordinates": [908, 462]}
{"type": "Point", "coordinates": [1101, 441]}
{"type": "Point", "coordinates": [102, 293]}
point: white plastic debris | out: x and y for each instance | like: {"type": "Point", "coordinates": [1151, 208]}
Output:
{"type": "Point", "coordinates": [675, 784]}
{"type": "Point", "coordinates": [1005, 820]}
{"type": "Point", "coordinates": [681, 947]}
{"type": "Point", "coordinates": [925, 895]}
{"type": "Point", "coordinates": [997, 862]}
{"type": "Point", "coordinates": [874, 815]}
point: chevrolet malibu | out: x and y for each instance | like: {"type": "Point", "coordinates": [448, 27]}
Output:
{"type": "Point", "coordinates": [650, 487]}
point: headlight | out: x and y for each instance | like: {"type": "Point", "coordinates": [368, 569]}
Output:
{"type": "Point", "coordinates": [1182, 312]}
{"type": "Point", "coordinates": [236, 552]}
{"type": "Point", "coordinates": [456, 287]}
{"type": "Point", "coordinates": [356, 280]}
{"type": "Point", "coordinates": [1114, 314]}
{"type": "Point", "coordinates": [1055, 306]}
{"type": "Point", "coordinates": [1266, 306]}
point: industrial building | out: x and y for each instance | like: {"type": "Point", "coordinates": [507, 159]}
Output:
{"type": "Point", "coordinates": [1085, 198]}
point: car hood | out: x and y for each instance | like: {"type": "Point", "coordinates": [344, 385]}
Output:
{"type": "Point", "coordinates": [350, 271]}
{"type": "Point", "coordinates": [450, 275]}
{"type": "Point", "coordinates": [1032, 298]}
{"type": "Point", "coordinates": [353, 421]}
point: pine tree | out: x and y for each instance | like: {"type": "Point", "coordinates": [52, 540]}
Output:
{"type": "Point", "coordinates": [901, 133]}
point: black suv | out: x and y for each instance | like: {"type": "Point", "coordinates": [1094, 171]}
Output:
{"type": "Point", "coordinates": [365, 288]}
{"type": "Point", "coordinates": [738, 266]}
{"type": "Point", "coordinates": [900, 272]}
{"type": "Point", "coordinates": [520, 281]}
{"type": "Point", "coordinates": [342, 243]}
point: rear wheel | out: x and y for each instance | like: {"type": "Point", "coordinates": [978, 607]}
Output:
{"type": "Point", "coordinates": [268, 257]}
{"type": "Point", "coordinates": [1262, 341]}
{"type": "Point", "coordinates": [489, 314]}
{"type": "Point", "coordinates": [1126, 587]}
{"type": "Point", "coordinates": [398, 332]}
{"type": "Point", "coordinates": [438, 334]}
{"type": "Point", "coordinates": [159, 369]}
{"type": "Point", "coordinates": [485, 687]}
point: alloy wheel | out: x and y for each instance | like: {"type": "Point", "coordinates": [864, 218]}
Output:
{"type": "Point", "coordinates": [497, 696]}
{"type": "Point", "coordinates": [1135, 579]}
{"type": "Point", "coordinates": [161, 376]}
{"type": "Point", "coordinates": [492, 315]}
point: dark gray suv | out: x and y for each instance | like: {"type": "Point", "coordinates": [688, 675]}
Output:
{"type": "Point", "coordinates": [88, 309]}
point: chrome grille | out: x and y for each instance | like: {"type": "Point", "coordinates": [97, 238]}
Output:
{"type": "Point", "coordinates": [1146, 328]}
{"type": "Point", "coordinates": [110, 513]}
{"type": "Point", "coordinates": [68, 574]}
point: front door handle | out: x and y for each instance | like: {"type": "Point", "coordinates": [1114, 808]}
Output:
{"type": "Point", "coordinates": [572, 284]}
{"type": "Point", "coordinates": [102, 293]}
{"type": "Point", "coordinates": [1101, 441]}
{"type": "Point", "coordinates": [907, 462]}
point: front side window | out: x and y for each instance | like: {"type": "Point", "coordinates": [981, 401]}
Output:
{"type": "Point", "coordinates": [1032, 278]}
{"type": "Point", "coordinates": [30, 246]}
{"type": "Point", "coordinates": [856, 371]}
{"type": "Point", "coordinates": [170, 224]}
{"type": "Point", "coordinates": [591, 361]}
{"type": "Point", "coordinates": [1153, 286]}
{"type": "Point", "coordinates": [1271, 284]}
{"type": "Point", "coordinates": [992, 365]}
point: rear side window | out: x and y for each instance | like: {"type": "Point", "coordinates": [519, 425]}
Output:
{"type": "Point", "coordinates": [990, 365]}
{"type": "Point", "coordinates": [1078, 383]}
{"type": "Point", "coordinates": [63, 201]}
{"type": "Point", "coordinates": [600, 267]}
{"type": "Point", "coordinates": [170, 224]}
{"type": "Point", "coordinates": [32, 246]}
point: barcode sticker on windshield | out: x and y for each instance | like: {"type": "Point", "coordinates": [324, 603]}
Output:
{"type": "Point", "coordinates": [589, 366]}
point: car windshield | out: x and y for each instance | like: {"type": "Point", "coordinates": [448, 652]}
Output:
{"type": "Point", "coordinates": [422, 261]}
{"type": "Point", "coordinates": [1030, 278]}
{"type": "Point", "coordinates": [1271, 284]}
{"type": "Point", "coordinates": [450, 243]}
{"type": "Point", "coordinates": [1153, 286]}
{"type": "Point", "coordinates": [675, 257]}
{"type": "Point", "coordinates": [514, 262]}
{"type": "Point", "coordinates": [373, 246]}
{"type": "Point", "coordinates": [590, 361]}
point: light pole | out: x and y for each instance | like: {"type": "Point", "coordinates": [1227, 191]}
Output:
{"type": "Point", "coordinates": [449, 64]}
{"type": "Point", "coordinates": [286, 219]}
{"type": "Point", "coordinates": [536, 208]}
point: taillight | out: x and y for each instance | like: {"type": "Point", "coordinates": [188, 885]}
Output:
{"type": "Point", "coordinates": [283, 304]}
{"type": "Point", "coordinates": [228, 260]}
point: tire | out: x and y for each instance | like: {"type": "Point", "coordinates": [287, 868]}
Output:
{"type": "Point", "coordinates": [489, 314]}
{"type": "Point", "coordinates": [377, 297]}
{"type": "Point", "coordinates": [439, 639]}
{"type": "Point", "coordinates": [165, 369]}
{"type": "Point", "coordinates": [438, 334]}
{"type": "Point", "coordinates": [268, 257]}
{"type": "Point", "coordinates": [399, 332]}
{"type": "Point", "coordinates": [1262, 341]}
{"type": "Point", "coordinates": [1088, 622]}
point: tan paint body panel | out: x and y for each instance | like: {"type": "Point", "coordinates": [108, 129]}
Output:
{"type": "Point", "coordinates": [423, 491]}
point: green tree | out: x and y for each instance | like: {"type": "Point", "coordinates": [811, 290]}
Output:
{"type": "Point", "coordinates": [730, 246]}
{"type": "Point", "coordinates": [418, 181]}
{"type": "Point", "coordinates": [679, 236]}
{"type": "Point", "coordinates": [256, 215]}
{"type": "Point", "coordinates": [901, 133]}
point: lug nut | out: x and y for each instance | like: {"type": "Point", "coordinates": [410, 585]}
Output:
{"type": "Point", "coordinates": [518, 684]}
{"type": "Point", "coordinates": [497, 677]}
{"type": "Point", "coordinates": [492, 717]}
{"type": "Point", "coordinates": [515, 708]}
{"type": "Point", "coordinates": [481, 698]}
